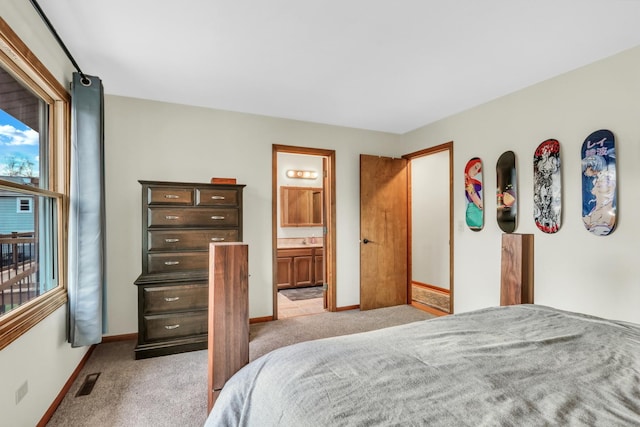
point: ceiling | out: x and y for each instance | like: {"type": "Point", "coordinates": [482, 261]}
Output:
{"type": "Point", "coordinates": [384, 65]}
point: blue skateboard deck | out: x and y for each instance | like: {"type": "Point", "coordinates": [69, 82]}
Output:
{"type": "Point", "coordinates": [599, 185]}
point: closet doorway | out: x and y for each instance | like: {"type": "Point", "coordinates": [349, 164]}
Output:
{"type": "Point", "coordinates": [431, 224]}
{"type": "Point", "coordinates": [406, 213]}
{"type": "Point", "coordinates": [303, 230]}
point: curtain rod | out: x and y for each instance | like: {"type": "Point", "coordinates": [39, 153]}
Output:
{"type": "Point", "coordinates": [35, 4]}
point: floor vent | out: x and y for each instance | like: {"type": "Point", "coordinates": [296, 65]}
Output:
{"type": "Point", "coordinates": [87, 385]}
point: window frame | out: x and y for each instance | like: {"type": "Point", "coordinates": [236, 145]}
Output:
{"type": "Point", "coordinates": [22, 64]}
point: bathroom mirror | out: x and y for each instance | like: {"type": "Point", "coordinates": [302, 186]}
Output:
{"type": "Point", "coordinates": [300, 206]}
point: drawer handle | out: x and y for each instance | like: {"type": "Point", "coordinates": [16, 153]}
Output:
{"type": "Point", "coordinates": [171, 240]}
{"type": "Point", "coordinates": [170, 327]}
{"type": "Point", "coordinates": [217, 239]}
{"type": "Point", "coordinates": [171, 299]}
{"type": "Point", "coordinates": [217, 217]}
{"type": "Point", "coordinates": [171, 196]}
{"type": "Point", "coordinates": [217, 197]}
{"type": "Point", "coordinates": [172, 217]}
{"type": "Point", "coordinates": [171, 262]}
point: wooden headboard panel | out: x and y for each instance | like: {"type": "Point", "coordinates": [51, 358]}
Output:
{"type": "Point", "coordinates": [228, 326]}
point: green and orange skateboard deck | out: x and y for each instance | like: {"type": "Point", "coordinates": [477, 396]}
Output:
{"type": "Point", "coordinates": [474, 214]}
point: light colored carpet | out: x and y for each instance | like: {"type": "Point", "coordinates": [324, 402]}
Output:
{"type": "Point", "coordinates": [271, 335]}
{"type": "Point", "coordinates": [171, 390]}
{"type": "Point", "coordinates": [160, 391]}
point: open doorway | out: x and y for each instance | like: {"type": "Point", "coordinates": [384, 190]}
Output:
{"type": "Point", "coordinates": [431, 225]}
{"type": "Point", "coordinates": [303, 227]}
{"type": "Point", "coordinates": [406, 233]}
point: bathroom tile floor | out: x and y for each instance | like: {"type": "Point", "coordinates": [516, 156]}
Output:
{"type": "Point", "coordinates": [288, 308]}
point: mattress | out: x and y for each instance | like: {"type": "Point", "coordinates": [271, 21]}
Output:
{"type": "Point", "coordinates": [510, 366]}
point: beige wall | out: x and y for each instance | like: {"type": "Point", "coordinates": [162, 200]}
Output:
{"type": "Point", "coordinates": [574, 269]}
{"type": "Point", "coordinates": [157, 141]}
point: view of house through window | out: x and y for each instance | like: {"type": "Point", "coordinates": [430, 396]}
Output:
{"type": "Point", "coordinates": [27, 213]}
{"type": "Point", "coordinates": [24, 204]}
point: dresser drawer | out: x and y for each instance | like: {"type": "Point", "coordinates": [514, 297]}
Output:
{"type": "Point", "coordinates": [170, 196]}
{"type": "Point", "coordinates": [199, 217]}
{"type": "Point", "coordinates": [177, 261]}
{"type": "Point", "coordinates": [169, 240]}
{"type": "Point", "coordinates": [182, 297]}
{"type": "Point", "coordinates": [175, 325]}
{"type": "Point", "coordinates": [216, 197]}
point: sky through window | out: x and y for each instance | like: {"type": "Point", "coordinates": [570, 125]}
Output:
{"type": "Point", "coordinates": [19, 145]}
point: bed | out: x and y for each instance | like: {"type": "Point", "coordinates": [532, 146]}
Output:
{"type": "Point", "coordinates": [512, 366]}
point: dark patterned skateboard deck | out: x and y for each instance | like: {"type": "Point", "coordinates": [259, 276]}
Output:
{"type": "Point", "coordinates": [547, 186]}
{"type": "Point", "coordinates": [506, 193]}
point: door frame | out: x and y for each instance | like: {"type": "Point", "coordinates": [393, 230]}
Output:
{"type": "Point", "coordinates": [447, 146]}
{"type": "Point", "coordinates": [329, 234]}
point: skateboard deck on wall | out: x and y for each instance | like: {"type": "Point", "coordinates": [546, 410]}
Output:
{"type": "Point", "coordinates": [506, 193]}
{"type": "Point", "coordinates": [547, 186]}
{"type": "Point", "coordinates": [474, 214]}
{"type": "Point", "coordinates": [599, 194]}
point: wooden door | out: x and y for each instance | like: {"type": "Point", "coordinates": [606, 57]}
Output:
{"type": "Point", "coordinates": [383, 232]}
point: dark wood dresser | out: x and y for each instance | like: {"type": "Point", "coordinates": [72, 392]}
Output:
{"type": "Point", "coordinates": [179, 221]}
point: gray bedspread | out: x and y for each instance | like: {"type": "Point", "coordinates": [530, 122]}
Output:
{"type": "Point", "coordinates": [523, 365]}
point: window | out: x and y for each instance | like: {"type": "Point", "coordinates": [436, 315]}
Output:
{"type": "Point", "coordinates": [24, 205]}
{"type": "Point", "coordinates": [34, 188]}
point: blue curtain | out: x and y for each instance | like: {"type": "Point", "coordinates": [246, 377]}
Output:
{"type": "Point", "coordinates": [86, 272]}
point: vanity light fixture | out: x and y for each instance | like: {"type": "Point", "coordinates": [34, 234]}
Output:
{"type": "Point", "coordinates": [291, 173]}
